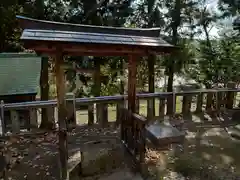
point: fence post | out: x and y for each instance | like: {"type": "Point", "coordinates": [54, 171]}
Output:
{"type": "Point", "coordinates": [161, 107]}
{"type": "Point", "coordinates": [33, 118]}
{"type": "Point", "coordinates": [186, 105]}
{"type": "Point", "coordinates": [119, 115]}
{"type": "Point", "coordinates": [209, 102]}
{"type": "Point", "coordinates": [2, 118]}
{"type": "Point", "coordinates": [71, 109]}
{"type": "Point", "coordinates": [199, 102]}
{"type": "Point", "coordinates": [230, 95]}
{"type": "Point", "coordinates": [104, 115]}
{"type": "Point", "coordinates": [90, 114]}
{"type": "Point", "coordinates": [15, 121]}
{"type": "Point", "coordinates": [150, 109]}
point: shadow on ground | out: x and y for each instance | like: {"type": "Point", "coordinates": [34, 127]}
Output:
{"type": "Point", "coordinates": [209, 154]}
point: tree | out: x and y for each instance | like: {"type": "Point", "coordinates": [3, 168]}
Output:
{"type": "Point", "coordinates": [179, 13]}
{"type": "Point", "coordinates": [229, 7]}
{"type": "Point", "coordinates": [9, 31]}
{"type": "Point", "coordinates": [45, 10]}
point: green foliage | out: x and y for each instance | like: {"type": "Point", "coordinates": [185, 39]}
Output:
{"type": "Point", "coordinates": [9, 32]}
{"type": "Point", "coordinates": [208, 61]}
{"type": "Point", "coordinates": [219, 64]}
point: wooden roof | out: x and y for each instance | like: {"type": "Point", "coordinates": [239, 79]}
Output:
{"type": "Point", "coordinates": [49, 37]}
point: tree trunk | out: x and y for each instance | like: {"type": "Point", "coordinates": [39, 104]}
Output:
{"type": "Point", "coordinates": [46, 122]}
{"type": "Point", "coordinates": [176, 19]}
{"type": "Point", "coordinates": [122, 74]}
{"type": "Point", "coordinates": [170, 89]}
{"type": "Point", "coordinates": [151, 87]}
{"type": "Point", "coordinates": [97, 87]}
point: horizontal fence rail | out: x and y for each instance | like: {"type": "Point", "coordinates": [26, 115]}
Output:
{"type": "Point", "coordinates": [27, 115]}
{"type": "Point", "coordinates": [110, 99]}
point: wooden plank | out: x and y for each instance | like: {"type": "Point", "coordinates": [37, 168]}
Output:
{"type": "Point", "coordinates": [62, 115]}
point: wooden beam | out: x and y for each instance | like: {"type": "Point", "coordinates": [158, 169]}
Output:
{"type": "Point", "coordinates": [61, 103]}
{"type": "Point", "coordinates": [96, 49]}
{"type": "Point", "coordinates": [96, 53]}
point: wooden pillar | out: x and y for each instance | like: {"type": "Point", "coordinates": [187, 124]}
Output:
{"type": "Point", "coordinates": [62, 115]}
{"type": "Point", "coordinates": [132, 70]}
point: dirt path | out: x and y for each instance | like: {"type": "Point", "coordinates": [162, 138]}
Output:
{"type": "Point", "coordinates": [36, 157]}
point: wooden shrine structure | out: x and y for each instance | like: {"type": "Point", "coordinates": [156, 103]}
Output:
{"type": "Point", "coordinates": [59, 39]}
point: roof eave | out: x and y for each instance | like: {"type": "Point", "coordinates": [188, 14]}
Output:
{"type": "Point", "coordinates": [30, 23]}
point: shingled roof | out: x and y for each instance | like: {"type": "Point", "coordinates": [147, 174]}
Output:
{"type": "Point", "coordinates": [39, 30]}
{"type": "Point", "coordinates": [19, 73]}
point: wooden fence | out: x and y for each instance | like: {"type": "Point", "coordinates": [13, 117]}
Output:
{"type": "Point", "coordinates": [206, 99]}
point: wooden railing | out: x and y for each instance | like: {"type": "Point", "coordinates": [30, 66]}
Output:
{"type": "Point", "coordinates": [206, 99]}
{"type": "Point", "coordinates": [133, 136]}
